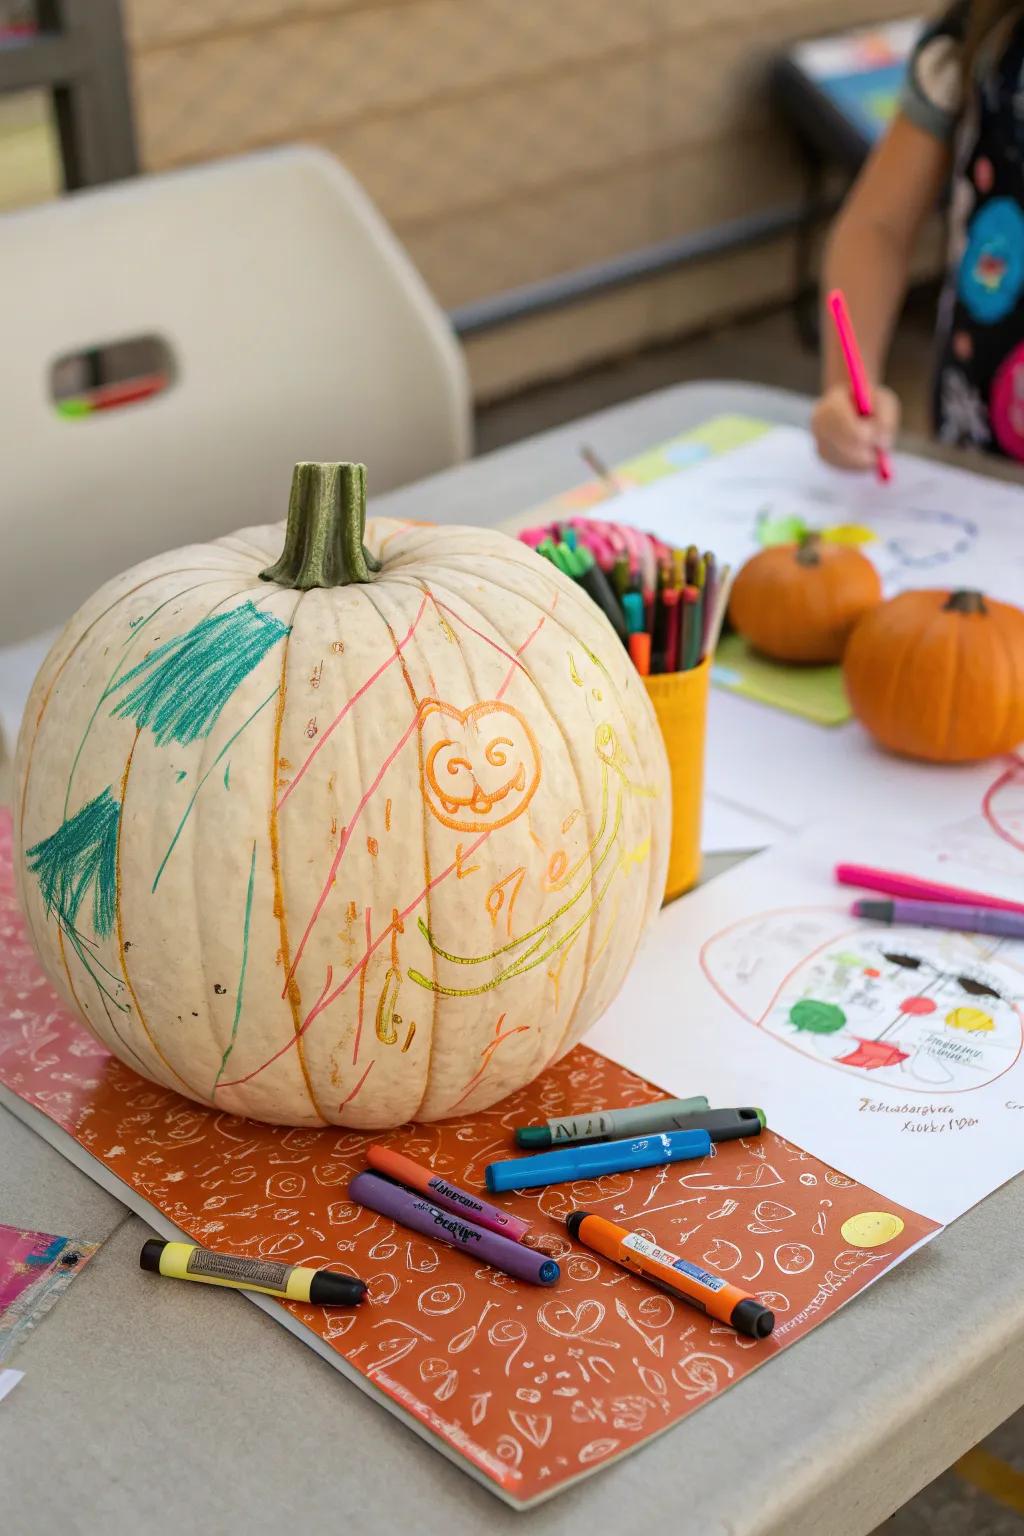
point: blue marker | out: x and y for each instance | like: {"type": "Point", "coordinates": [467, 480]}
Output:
{"type": "Point", "coordinates": [591, 1162]}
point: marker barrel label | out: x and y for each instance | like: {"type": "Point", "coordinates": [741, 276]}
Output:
{"type": "Point", "coordinates": [588, 1128]}
{"type": "Point", "coordinates": [226, 1266]}
{"type": "Point", "coordinates": [672, 1261]}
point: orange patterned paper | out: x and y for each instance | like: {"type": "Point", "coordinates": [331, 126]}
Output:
{"type": "Point", "coordinates": [533, 1387]}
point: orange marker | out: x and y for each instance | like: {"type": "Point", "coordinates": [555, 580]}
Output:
{"type": "Point", "coordinates": [640, 651]}
{"type": "Point", "coordinates": [404, 1171]}
{"type": "Point", "coordinates": [687, 1282]}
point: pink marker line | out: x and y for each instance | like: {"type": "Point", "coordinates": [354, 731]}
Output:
{"type": "Point", "coordinates": [343, 842]}
{"type": "Point", "coordinates": [348, 1099]}
{"type": "Point", "coordinates": [530, 637]}
{"type": "Point", "coordinates": [325, 734]}
{"type": "Point", "coordinates": [478, 632]}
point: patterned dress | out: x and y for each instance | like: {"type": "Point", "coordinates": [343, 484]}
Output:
{"type": "Point", "coordinates": [979, 376]}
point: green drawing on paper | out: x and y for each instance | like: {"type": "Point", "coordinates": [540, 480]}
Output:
{"type": "Point", "coordinates": [817, 1018]}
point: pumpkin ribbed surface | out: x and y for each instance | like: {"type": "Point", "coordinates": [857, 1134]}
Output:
{"type": "Point", "coordinates": [799, 602]}
{"type": "Point", "coordinates": [939, 675]}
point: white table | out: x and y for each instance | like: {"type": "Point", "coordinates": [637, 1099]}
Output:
{"type": "Point", "coordinates": [162, 1409]}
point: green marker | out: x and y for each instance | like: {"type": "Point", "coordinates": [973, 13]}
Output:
{"type": "Point", "coordinates": [585, 571]}
{"type": "Point", "coordinates": [606, 1124]}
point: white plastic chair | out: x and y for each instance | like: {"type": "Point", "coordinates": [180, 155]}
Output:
{"type": "Point", "coordinates": [297, 328]}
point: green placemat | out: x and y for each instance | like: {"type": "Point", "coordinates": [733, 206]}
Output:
{"type": "Point", "coordinates": [816, 693]}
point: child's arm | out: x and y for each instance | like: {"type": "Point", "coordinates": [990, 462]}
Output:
{"type": "Point", "coordinates": [868, 257]}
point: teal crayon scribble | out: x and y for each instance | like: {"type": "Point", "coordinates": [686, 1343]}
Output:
{"type": "Point", "coordinates": [81, 856]}
{"type": "Point", "coordinates": [182, 774]}
{"type": "Point", "coordinates": [241, 974]}
{"type": "Point", "coordinates": [136, 626]}
{"type": "Point", "coordinates": [180, 689]}
{"type": "Point", "coordinates": [227, 777]}
{"type": "Point", "coordinates": [195, 793]}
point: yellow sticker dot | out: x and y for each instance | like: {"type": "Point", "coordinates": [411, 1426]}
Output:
{"type": "Point", "coordinates": [871, 1228]}
{"type": "Point", "coordinates": [970, 1018]}
{"type": "Point", "coordinates": [850, 533]}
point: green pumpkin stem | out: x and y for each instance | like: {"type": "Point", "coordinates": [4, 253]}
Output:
{"type": "Point", "coordinates": [966, 600]}
{"type": "Point", "coordinates": [323, 542]}
{"type": "Point", "coordinates": [808, 549]}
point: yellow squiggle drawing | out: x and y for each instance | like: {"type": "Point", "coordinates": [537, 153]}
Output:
{"type": "Point", "coordinates": [539, 950]}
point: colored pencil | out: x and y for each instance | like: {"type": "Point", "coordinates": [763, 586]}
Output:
{"type": "Point", "coordinates": [601, 470]}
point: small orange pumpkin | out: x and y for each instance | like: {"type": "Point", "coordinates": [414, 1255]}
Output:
{"type": "Point", "coordinates": [939, 675]}
{"type": "Point", "coordinates": [799, 602]}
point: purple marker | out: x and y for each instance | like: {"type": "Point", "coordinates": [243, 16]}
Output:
{"type": "Point", "coordinates": [419, 1215]}
{"type": "Point", "coordinates": [432, 1186]}
{"type": "Point", "coordinates": [941, 914]}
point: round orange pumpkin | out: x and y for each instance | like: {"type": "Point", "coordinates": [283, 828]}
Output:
{"type": "Point", "coordinates": [939, 675]}
{"type": "Point", "coordinates": [799, 602]}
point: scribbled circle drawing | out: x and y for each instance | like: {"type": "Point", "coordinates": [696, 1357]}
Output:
{"type": "Point", "coordinates": [701, 1375]}
{"type": "Point", "coordinates": [508, 1449]}
{"type": "Point", "coordinates": [870, 1229]}
{"type": "Point", "coordinates": [1003, 805]}
{"type": "Point", "coordinates": [440, 1300]}
{"type": "Point", "coordinates": [793, 1258]}
{"type": "Point", "coordinates": [928, 539]}
{"type": "Point", "coordinates": [992, 271]}
{"type": "Point", "coordinates": [919, 1010]}
{"type": "Point", "coordinates": [597, 1449]}
{"type": "Point", "coordinates": [566, 1321]}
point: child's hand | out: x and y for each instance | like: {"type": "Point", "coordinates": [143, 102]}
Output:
{"type": "Point", "coordinates": [847, 440]}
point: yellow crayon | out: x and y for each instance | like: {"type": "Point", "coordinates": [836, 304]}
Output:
{"type": "Point", "coordinates": [289, 1282]}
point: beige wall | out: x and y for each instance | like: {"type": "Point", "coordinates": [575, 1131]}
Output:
{"type": "Point", "coordinates": [506, 140]}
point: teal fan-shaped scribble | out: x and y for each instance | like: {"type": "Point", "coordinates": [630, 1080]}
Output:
{"type": "Point", "coordinates": [181, 688]}
{"type": "Point", "coordinates": [81, 856]}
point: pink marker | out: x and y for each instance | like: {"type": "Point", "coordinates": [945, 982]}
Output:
{"type": "Point", "coordinates": [913, 889]}
{"type": "Point", "coordinates": [859, 386]}
{"type": "Point", "coordinates": [592, 535]}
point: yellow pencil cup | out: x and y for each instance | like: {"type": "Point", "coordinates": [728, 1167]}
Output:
{"type": "Point", "coordinates": [680, 702]}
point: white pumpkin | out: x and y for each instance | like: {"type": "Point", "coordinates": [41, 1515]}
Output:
{"type": "Point", "coordinates": [368, 837]}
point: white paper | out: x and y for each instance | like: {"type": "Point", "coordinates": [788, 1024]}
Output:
{"type": "Point", "coordinates": [904, 1068]}
{"type": "Point", "coordinates": [729, 828]}
{"type": "Point", "coordinates": [794, 772]}
{"type": "Point", "coordinates": [9, 1380]}
{"type": "Point", "coordinates": [930, 526]}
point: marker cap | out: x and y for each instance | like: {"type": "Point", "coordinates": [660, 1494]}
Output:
{"type": "Point", "coordinates": [329, 1289]}
{"type": "Point", "coordinates": [149, 1258]}
{"type": "Point", "coordinates": [752, 1318]}
{"type": "Point", "coordinates": [574, 1221]}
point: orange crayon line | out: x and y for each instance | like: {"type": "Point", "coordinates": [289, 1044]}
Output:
{"type": "Point", "coordinates": [291, 986]}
